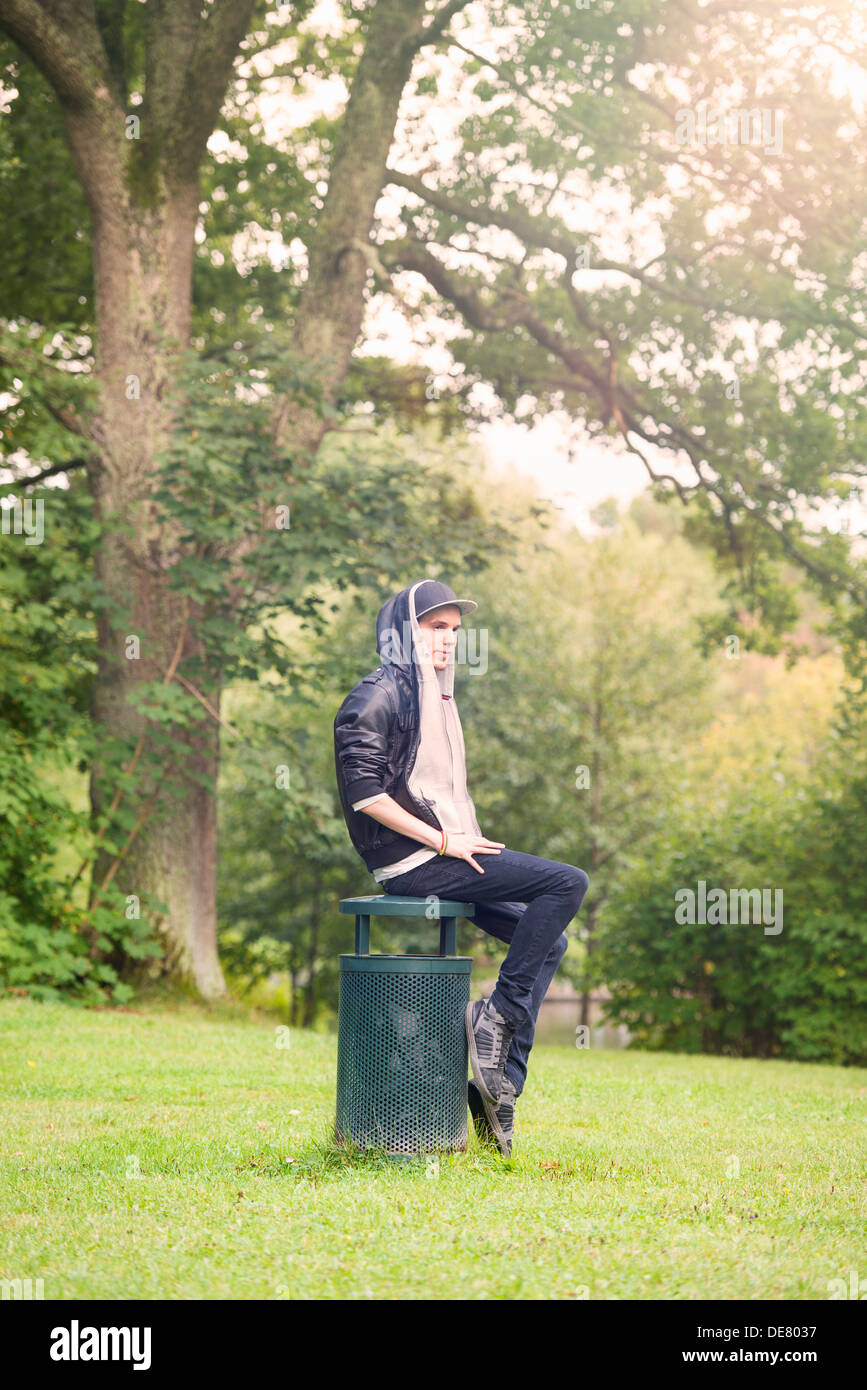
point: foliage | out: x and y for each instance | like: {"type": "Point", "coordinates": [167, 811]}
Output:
{"type": "Point", "coordinates": [773, 821]}
{"type": "Point", "coordinates": [48, 644]}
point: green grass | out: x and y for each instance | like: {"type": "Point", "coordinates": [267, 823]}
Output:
{"type": "Point", "coordinates": [171, 1152]}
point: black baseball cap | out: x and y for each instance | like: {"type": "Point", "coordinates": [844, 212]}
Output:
{"type": "Point", "coordinates": [432, 594]}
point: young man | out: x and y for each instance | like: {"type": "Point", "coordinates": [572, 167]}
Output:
{"type": "Point", "coordinates": [401, 773]}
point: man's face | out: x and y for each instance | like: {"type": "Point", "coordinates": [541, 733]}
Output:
{"type": "Point", "coordinates": [439, 633]}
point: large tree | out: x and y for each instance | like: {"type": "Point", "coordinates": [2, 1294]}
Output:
{"type": "Point", "coordinates": [684, 350]}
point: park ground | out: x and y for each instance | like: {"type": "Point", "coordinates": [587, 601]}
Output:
{"type": "Point", "coordinates": [169, 1151]}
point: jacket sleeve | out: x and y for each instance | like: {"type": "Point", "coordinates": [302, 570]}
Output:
{"type": "Point", "coordinates": [362, 738]}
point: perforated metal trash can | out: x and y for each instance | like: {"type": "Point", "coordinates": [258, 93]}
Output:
{"type": "Point", "coordinates": [401, 1044]}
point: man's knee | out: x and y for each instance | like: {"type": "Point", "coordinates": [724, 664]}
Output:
{"type": "Point", "coordinates": [576, 883]}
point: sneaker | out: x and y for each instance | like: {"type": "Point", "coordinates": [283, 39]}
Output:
{"type": "Point", "coordinates": [489, 1037]}
{"type": "Point", "coordinates": [494, 1124]}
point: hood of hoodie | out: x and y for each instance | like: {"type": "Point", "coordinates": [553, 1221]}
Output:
{"type": "Point", "coordinates": [399, 641]}
{"type": "Point", "coordinates": [439, 773]}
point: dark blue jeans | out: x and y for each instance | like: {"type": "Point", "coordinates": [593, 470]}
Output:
{"type": "Point", "coordinates": [548, 896]}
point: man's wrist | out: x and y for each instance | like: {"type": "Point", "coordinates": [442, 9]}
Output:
{"type": "Point", "coordinates": [433, 838]}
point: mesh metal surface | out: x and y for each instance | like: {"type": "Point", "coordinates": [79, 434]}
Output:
{"type": "Point", "coordinates": [402, 1056]}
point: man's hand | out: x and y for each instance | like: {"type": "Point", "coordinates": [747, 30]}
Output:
{"type": "Point", "coordinates": [462, 846]}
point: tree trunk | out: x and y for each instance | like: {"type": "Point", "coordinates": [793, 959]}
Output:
{"type": "Point", "coordinates": [595, 851]}
{"type": "Point", "coordinates": [143, 264]}
{"type": "Point", "coordinates": [294, 1001]}
{"type": "Point", "coordinates": [312, 953]}
{"type": "Point", "coordinates": [586, 994]}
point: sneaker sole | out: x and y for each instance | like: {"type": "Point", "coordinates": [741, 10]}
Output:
{"type": "Point", "coordinates": [481, 1122]}
{"type": "Point", "coordinates": [487, 1126]}
{"type": "Point", "coordinates": [474, 1056]}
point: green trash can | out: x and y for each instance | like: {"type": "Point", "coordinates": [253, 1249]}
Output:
{"type": "Point", "coordinates": [401, 1041]}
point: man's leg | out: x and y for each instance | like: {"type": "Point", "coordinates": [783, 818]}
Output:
{"type": "Point", "coordinates": [553, 892]}
{"type": "Point", "coordinates": [501, 920]}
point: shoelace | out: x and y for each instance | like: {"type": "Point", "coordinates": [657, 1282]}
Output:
{"type": "Point", "coordinates": [498, 1035]}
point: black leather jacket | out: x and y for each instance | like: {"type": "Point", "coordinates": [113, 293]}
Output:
{"type": "Point", "coordinates": [376, 738]}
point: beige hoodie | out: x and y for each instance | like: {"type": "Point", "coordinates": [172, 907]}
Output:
{"type": "Point", "coordinates": [439, 774]}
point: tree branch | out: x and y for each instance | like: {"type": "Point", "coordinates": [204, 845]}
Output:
{"type": "Point", "coordinates": [110, 19]}
{"type": "Point", "coordinates": [434, 30]}
{"type": "Point", "coordinates": [51, 472]}
{"type": "Point", "coordinates": [331, 305]}
{"type": "Point", "coordinates": [70, 55]}
{"type": "Point", "coordinates": [411, 254]}
{"type": "Point", "coordinates": [54, 380]}
{"type": "Point", "coordinates": [197, 84]}
{"type": "Point", "coordinates": [550, 236]}
{"type": "Point", "coordinates": [188, 685]}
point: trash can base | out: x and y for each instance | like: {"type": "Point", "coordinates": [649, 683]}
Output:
{"type": "Point", "coordinates": [401, 1037]}
{"type": "Point", "coordinates": [402, 1053]}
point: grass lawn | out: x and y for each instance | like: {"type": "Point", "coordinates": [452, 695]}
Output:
{"type": "Point", "coordinates": [171, 1152]}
